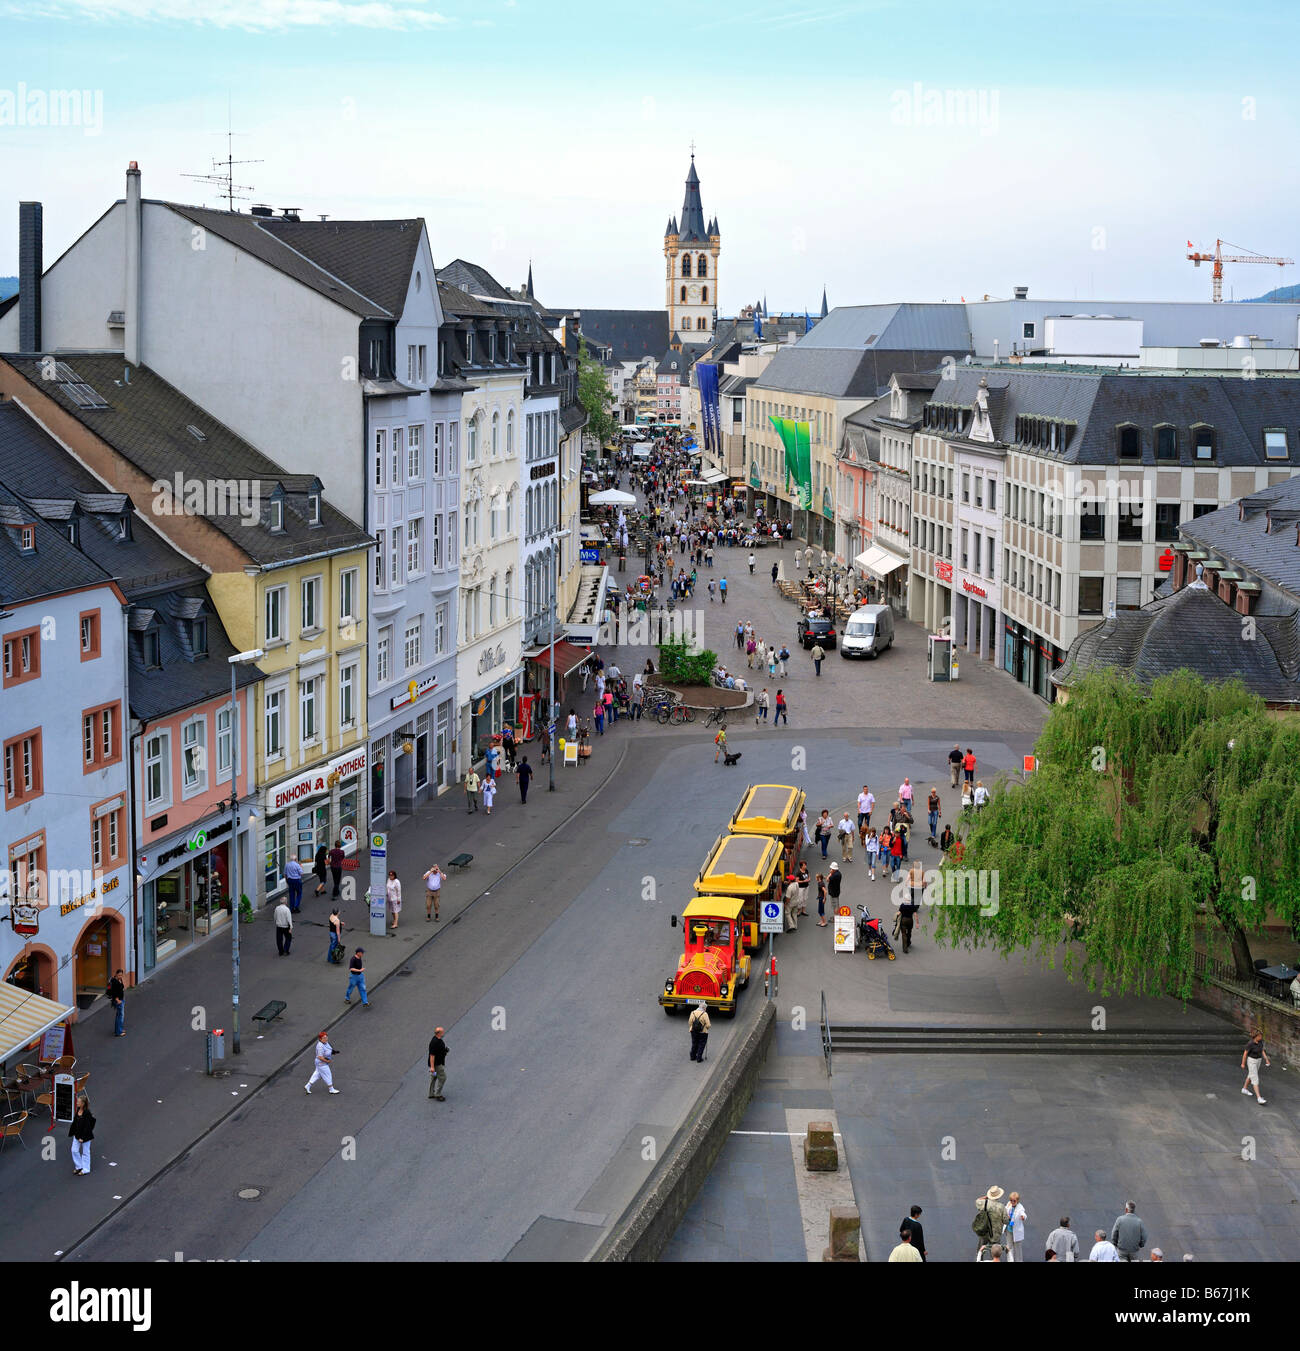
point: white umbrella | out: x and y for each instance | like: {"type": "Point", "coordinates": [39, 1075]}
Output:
{"type": "Point", "coordinates": [612, 497]}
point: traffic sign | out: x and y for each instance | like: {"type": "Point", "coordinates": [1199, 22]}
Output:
{"type": "Point", "coordinates": [772, 919]}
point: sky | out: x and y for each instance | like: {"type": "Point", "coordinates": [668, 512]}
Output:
{"type": "Point", "coordinates": [886, 151]}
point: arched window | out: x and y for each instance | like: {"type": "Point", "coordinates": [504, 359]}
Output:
{"type": "Point", "coordinates": [528, 513]}
{"type": "Point", "coordinates": [510, 433]}
{"type": "Point", "coordinates": [471, 438]}
{"type": "Point", "coordinates": [705, 295]}
{"type": "Point", "coordinates": [496, 435]}
{"type": "Point", "coordinates": [510, 512]}
{"type": "Point", "coordinates": [683, 295]}
{"type": "Point", "coordinates": [702, 270]}
{"type": "Point", "coordinates": [686, 265]}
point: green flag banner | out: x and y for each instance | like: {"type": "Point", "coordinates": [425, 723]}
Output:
{"type": "Point", "coordinates": [798, 458]}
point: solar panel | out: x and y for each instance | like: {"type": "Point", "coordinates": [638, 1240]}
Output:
{"type": "Point", "coordinates": [82, 394]}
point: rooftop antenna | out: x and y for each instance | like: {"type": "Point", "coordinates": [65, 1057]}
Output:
{"type": "Point", "coordinates": [223, 170]}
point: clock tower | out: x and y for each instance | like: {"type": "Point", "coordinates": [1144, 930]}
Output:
{"type": "Point", "coordinates": [691, 270]}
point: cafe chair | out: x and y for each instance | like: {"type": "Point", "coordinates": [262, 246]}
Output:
{"type": "Point", "coordinates": [12, 1129]}
{"type": "Point", "coordinates": [65, 1064]}
{"type": "Point", "coordinates": [79, 1087]}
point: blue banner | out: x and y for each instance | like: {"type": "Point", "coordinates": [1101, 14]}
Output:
{"type": "Point", "coordinates": [588, 555]}
{"type": "Point", "coordinates": [706, 374]}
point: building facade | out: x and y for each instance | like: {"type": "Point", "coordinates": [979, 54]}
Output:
{"type": "Point", "coordinates": [691, 250]}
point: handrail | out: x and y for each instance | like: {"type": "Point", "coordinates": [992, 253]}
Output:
{"type": "Point", "coordinates": [827, 1046]}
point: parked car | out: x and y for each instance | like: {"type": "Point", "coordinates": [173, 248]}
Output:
{"type": "Point", "coordinates": [869, 632]}
{"type": "Point", "coordinates": [817, 629]}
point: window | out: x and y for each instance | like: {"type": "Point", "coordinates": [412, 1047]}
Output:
{"type": "Point", "coordinates": [277, 603]}
{"type": "Point", "coordinates": [410, 364]}
{"type": "Point", "coordinates": [194, 759]}
{"type": "Point", "coordinates": [157, 771]}
{"type": "Point", "coordinates": [347, 595]}
{"type": "Point", "coordinates": [100, 737]}
{"type": "Point", "coordinates": [435, 541]}
{"type": "Point", "coordinates": [1128, 593]}
{"type": "Point", "coordinates": [384, 656]}
{"type": "Point", "coordinates": [89, 635]}
{"type": "Point", "coordinates": [492, 601]}
{"type": "Point", "coordinates": [471, 440]}
{"type": "Point", "coordinates": [347, 697]}
{"type": "Point", "coordinates": [704, 295]}
{"type": "Point", "coordinates": [311, 611]}
{"type": "Point", "coordinates": [1275, 447]}
{"type": "Point", "coordinates": [496, 434]}
{"type": "Point", "coordinates": [435, 463]}
{"type": "Point", "coordinates": [1167, 521]}
{"type": "Point", "coordinates": [686, 265]}
{"type": "Point", "coordinates": [1203, 509]}
{"type": "Point", "coordinates": [380, 557]}
{"type": "Point", "coordinates": [993, 494]}
{"type": "Point", "coordinates": [414, 546]}
{"type": "Point", "coordinates": [381, 455]}
{"type": "Point", "coordinates": [151, 649]}
{"type": "Point", "coordinates": [1130, 443]}
{"type": "Point", "coordinates": [439, 630]}
{"type": "Point", "coordinates": [108, 834]}
{"type": "Point", "coordinates": [1090, 595]}
{"type": "Point", "coordinates": [1092, 524]}
{"type": "Point", "coordinates": [313, 508]}
{"type": "Point", "coordinates": [965, 487]}
{"type": "Point", "coordinates": [494, 516]}
{"type": "Point", "coordinates": [469, 347]}
{"type": "Point", "coordinates": [1026, 330]}
{"type": "Point", "coordinates": [199, 636]}
{"type": "Point", "coordinates": [309, 710]}
{"type": "Point", "coordinates": [399, 455]}
{"type": "Point", "coordinates": [23, 773]}
{"type": "Point", "coordinates": [27, 872]}
{"type": "Point", "coordinates": [683, 295]}
{"type": "Point", "coordinates": [276, 522]}
{"type": "Point", "coordinates": [411, 644]}
{"type": "Point", "coordinates": [414, 453]}
{"type": "Point", "coordinates": [1166, 442]}
{"type": "Point", "coordinates": [963, 548]}
{"type": "Point", "coordinates": [510, 512]}
{"type": "Point", "coordinates": [1131, 517]}
{"type": "Point", "coordinates": [22, 657]}
{"type": "Point", "coordinates": [979, 490]}
{"type": "Point", "coordinates": [27, 539]}
{"type": "Point", "coordinates": [506, 590]}
{"type": "Point", "coordinates": [395, 556]}
{"type": "Point", "coordinates": [225, 746]}
{"type": "Point", "coordinates": [510, 433]}
{"type": "Point", "coordinates": [274, 724]}
{"type": "Point", "coordinates": [975, 547]}
{"type": "Point", "coordinates": [1203, 442]}
{"type": "Point", "coordinates": [453, 447]}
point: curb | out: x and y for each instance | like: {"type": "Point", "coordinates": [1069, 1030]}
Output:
{"type": "Point", "coordinates": [651, 1218]}
{"type": "Point", "coordinates": [273, 1074]}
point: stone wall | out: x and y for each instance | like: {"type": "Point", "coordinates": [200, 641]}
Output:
{"type": "Point", "coordinates": [1279, 1022]}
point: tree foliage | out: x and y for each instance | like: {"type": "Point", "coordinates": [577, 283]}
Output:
{"type": "Point", "coordinates": [595, 397]}
{"type": "Point", "coordinates": [680, 664]}
{"type": "Point", "coordinates": [1150, 806]}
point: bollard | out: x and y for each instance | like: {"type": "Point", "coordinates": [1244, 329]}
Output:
{"type": "Point", "coordinates": [846, 1234]}
{"type": "Point", "coordinates": [820, 1153]}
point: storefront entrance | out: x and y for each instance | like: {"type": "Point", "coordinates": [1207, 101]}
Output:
{"type": "Point", "coordinates": [94, 959]}
{"type": "Point", "coordinates": [186, 903]}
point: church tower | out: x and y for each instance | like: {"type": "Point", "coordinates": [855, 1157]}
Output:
{"type": "Point", "coordinates": [691, 274]}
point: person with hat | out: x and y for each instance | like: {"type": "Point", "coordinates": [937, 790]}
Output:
{"type": "Point", "coordinates": [834, 881]}
{"type": "Point", "coordinates": [990, 1219]}
{"type": "Point", "coordinates": [357, 977]}
{"type": "Point", "coordinates": [437, 1065]}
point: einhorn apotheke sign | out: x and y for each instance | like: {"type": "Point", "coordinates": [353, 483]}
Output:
{"type": "Point", "coordinates": [315, 781]}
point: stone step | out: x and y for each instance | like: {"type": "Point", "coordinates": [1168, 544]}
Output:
{"type": "Point", "coordinates": [916, 1040]}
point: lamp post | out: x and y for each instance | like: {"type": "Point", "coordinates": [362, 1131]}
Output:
{"type": "Point", "coordinates": [556, 536]}
{"type": "Point", "coordinates": [254, 654]}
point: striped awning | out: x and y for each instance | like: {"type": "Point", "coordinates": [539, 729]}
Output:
{"type": "Point", "coordinates": [24, 1016]}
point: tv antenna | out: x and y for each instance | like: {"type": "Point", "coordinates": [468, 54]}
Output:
{"type": "Point", "coordinates": [223, 171]}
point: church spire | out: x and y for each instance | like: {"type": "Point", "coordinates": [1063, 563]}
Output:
{"type": "Point", "coordinates": [528, 290]}
{"type": "Point", "coordinates": [824, 309]}
{"type": "Point", "coordinates": [692, 222]}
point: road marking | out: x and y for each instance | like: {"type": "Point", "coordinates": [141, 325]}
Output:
{"type": "Point", "coordinates": [800, 1134]}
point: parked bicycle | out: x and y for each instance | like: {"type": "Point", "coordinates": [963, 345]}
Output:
{"type": "Point", "coordinates": [717, 718]}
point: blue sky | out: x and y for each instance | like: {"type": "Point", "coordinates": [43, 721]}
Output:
{"type": "Point", "coordinates": [889, 151]}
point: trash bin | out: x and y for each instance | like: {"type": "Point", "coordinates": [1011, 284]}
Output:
{"type": "Point", "coordinates": [216, 1048]}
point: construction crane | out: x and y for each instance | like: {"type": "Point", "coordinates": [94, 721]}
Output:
{"type": "Point", "coordinates": [1218, 258]}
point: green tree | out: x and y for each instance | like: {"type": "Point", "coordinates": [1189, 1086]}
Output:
{"type": "Point", "coordinates": [679, 664]}
{"type": "Point", "coordinates": [595, 397]}
{"type": "Point", "coordinates": [1150, 807]}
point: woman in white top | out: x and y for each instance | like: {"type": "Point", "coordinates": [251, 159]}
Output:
{"type": "Point", "coordinates": [489, 793]}
{"type": "Point", "coordinates": [981, 795]}
{"type": "Point", "coordinates": [393, 888]}
{"type": "Point", "coordinates": [872, 845]}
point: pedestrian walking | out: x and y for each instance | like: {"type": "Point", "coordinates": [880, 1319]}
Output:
{"type": "Point", "coordinates": [117, 998]}
{"type": "Point", "coordinates": [932, 810]}
{"type": "Point", "coordinates": [336, 933]}
{"type": "Point", "coordinates": [751, 565]}
{"type": "Point", "coordinates": [393, 896]}
{"type": "Point", "coordinates": [1250, 1059]}
{"type": "Point", "coordinates": [720, 742]}
{"type": "Point", "coordinates": [803, 880]}
{"type": "Point", "coordinates": [740, 637]}
{"type": "Point", "coordinates": [907, 915]}
{"type": "Point", "coordinates": [698, 1026]}
{"type": "Point", "coordinates": [866, 805]}
{"type": "Point", "coordinates": [433, 881]}
{"type": "Point", "coordinates": [912, 1227]}
{"type": "Point", "coordinates": [357, 977]}
{"type": "Point", "coordinates": [776, 568]}
{"type": "Point", "coordinates": [1014, 1242]}
{"type": "Point", "coordinates": [598, 716]}
{"type": "Point", "coordinates": [712, 588]}
{"type": "Point", "coordinates": [293, 876]}
{"type": "Point", "coordinates": [437, 1065]}
{"type": "Point", "coordinates": [571, 725]}
{"type": "Point", "coordinates": [896, 853]}
{"type": "Point", "coordinates": [782, 657]}
{"type": "Point", "coordinates": [472, 786]}
{"type": "Point", "coordinates": [821, 901]}
{"type": "Point", "coordinates": [871, 846]}
{"type": "Point", "coordinates": [81, 1132]}
{"type": "Point", "coordinates": [771, 663]}
{"type": "Point", "coordinates": [490, 791]}
{"type": "Point", "coordinates": [823, 829]}
{"type": "Point", "coordinates": [322, 1069]}
{"type": "Point", "coordinates": [750, 648]}
{"type": "Point", "coordinates": [336, 867]}
{"type": "Point", "coordinates": [319, 867]}
{"type": "Point", "coordinates": [1128, 1233]}
{"type": "Point", "coordinates": [722, 589]}
{"type": "Point", "coordinates": [798, 559]}
{"type": "Point", "coordinates": [818, 656]}
{"type": "Point", "coordinates": [283, 929]}
{"type": "Point", "coordinates": [845, 830]}
{"type": "Point", "coordinates": [782, 710]}
{"type": "Point", "coordinates": [760, 705]}
{"type": "Point", "coordinates": [954, 763]}
{"type": "Point", "coordinates": [905, 793]}
{"type": "Point", "coordinates": [1064, 1242]}
{"type": "Point", "coordinates": [980, 796]}
{"type": "Point", "coordinates": [523, 777]}
{"type": "Point", "coordinates": [968, 764]}
{"type": "Point", "coordinates": [905, 1251]}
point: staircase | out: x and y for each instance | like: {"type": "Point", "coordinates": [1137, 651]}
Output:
{"type": "Point", "coordinates": [921, 1040]}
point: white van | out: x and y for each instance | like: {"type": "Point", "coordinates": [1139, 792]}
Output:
{"type": "Point", "coordinates": [868, 633]}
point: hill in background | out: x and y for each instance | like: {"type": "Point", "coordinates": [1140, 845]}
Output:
{"type": "Point", "coordinates": [8, 287]}
{"type": "Point", "coordinates": [1282, 295]}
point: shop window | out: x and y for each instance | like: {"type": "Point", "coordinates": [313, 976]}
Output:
{"type": "Point", "coordinates": [348, 806]}
{"type": "Point", "coordinates": [1090, 595]}
{"type": "Point", "coordinates": [277, 852]}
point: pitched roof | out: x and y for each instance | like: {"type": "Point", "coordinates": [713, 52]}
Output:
{"type": "Point", "coordinates": [57, 565]}
{"type": "Point", "coordinates": [1250, 532]}
{"type": "Point", "coordinates": [478, 281]}
{"type": "Point", "coordinates": [838, 373]}
{"type": "Point", "coordinates": [458, 304]}
{"type": "Point", "coordinates": [149, 421]}
{"type": "Point", "coordinates": [899, 328]}
{"type": "Point", "coordinates": [631, 334]}
{"type": "Point", "coordinates": [693, 230]}
{"type": "Point", "coordinates": [1190, 630]}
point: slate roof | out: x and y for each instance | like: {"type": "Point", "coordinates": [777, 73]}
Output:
{"type": "Point", "coordinates": [630, 334]}
{"type": "Point", "coordinates": [458, 304]}
{"type": "Point", "coordinates": [1099, 400]}
{"type": "Point", "coordinates": [902, 327]}
{"type": "Point", "coordinates": [476, 280]}
{"type": "Point", "coordinates": [56, 566]}
{"type": "Point", "coordinates": [1193, 630]}
{"type": "Point", "coordinates": [840, 373]}
{"type": "Point", "coordinates": [693, 229]}
{"type": "Point", "coordinates": [147, 421]}
{"type": "Point", "coordinates": [572, 416]}
{"type": "Point", "coordinates": [374, 257]}
{"type": "Point", "coordinates": [1240, 534]}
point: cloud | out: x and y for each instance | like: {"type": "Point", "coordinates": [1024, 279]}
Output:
{"type": "Point", "coordinates": [251, 15]}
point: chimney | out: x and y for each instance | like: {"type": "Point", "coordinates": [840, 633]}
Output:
{"type": "Point", "coordinates": [134, 225]}
{"type": "Point", "coordinates": [1022, 293]}
{"type": "Point", "coordinates": [30, 267]}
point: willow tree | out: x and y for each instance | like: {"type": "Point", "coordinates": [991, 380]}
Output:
{"type": "Point", "coordinates": [1151, 806]}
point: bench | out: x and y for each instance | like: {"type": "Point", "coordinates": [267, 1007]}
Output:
{"type": "Point", "coordinates": [269, 1012]}
{"type": "Point", "coordinates": [461, 862]}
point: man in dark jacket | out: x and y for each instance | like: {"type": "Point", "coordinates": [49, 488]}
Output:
{"type": "Point", "coordinates": [117, 997]}
{"type": "Point", "coordinates": [912, 1226]}
{"type": "Point", "coordinates": [834, 880]}
{"type": "Point", "coordinates": [336, 866]}
{"type": "Point", "coordinates": [437, 1065]}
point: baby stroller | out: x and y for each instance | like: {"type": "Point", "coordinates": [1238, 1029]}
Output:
{"type": "Point", "coordinates": [872, 937]}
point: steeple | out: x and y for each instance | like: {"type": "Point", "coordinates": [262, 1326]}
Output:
{"type": "Point", "coordinates": [672, 227]}
{"type": "Point", "coordinates": [692, 225]}
{"type": "Point", "coordinates": [824, 309]}
{"type": "Point", "coordinates": [528, 290]}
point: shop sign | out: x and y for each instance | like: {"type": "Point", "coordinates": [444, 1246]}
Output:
{"type": "Point", "coordinates": [943, 571]}
{"type": "Point", "coordinates": [348, 837]}
{"type": "Point", "coordinates": [26, 919]}
{"type": "Point", "coordinates": [95, 893]}
{"type": "Point", "coordinates": [415, 690]}
{"type": "Point", "coordinates": [316, 781]}
{"type": "Point", "coordinates": [542, 470]}
{"type": "Point", "coordinates": [588, 555]}
{"type": "Point", "coordinates": [973, 589]}
{"type": "Point", "coordinates": [197, 842]}
{"type": "Point", "coordinates": [491, 657]}
{"type": "Point", "coordinates": [755, 478]}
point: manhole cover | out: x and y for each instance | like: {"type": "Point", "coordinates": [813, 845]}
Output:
{"type": "Point", "coordinates": [249, 1193]}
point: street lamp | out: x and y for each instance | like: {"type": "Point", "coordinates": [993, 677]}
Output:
{"type": "Point", "coordinates": [239, 658]}
{"type": "Point", "coordinates": [556, 536]}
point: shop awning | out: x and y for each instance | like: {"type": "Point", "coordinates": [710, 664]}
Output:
{"type": "Point", "coordinates": [713, 476]}
{"type": "Point", "coordinates": [24, 1016]}
{"type": "Point", "coordinates": [568, 657]}
{"type": "Point", "coordinates": [879, 562]}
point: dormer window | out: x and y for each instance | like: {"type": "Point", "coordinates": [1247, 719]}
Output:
{"type": "Point", "coordinates": [1166, 442]}
{"type": "Point", "coordinates": [27, 539]}
{"type": "Point", "coordinates": [124, 526]}
{"type": "Point", "coordinates": [1130, 442]}
{"type": "Point", "coordinates": [199, 636]}
{"type": "Point", "coordinates": [469, 348]}
{"type": "Point", "coordinates": [492, 345]}
{"type": "Point", "coordinates": [277, 515]}
{"type": "Point", "coordinates": [74, 532]}
{"type": "Point", "coordinates": [1275, 447]}
{"type": "Point", "coordinates": [313, 508]}
{"type": "Point", "coordinates": [151, 648]}
{"type": "Point", "coordinates": [1203, 442]}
